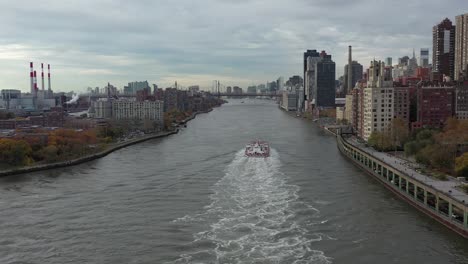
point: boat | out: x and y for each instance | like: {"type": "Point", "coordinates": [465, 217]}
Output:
{"type": "Point", "coordinates": [257, 149]}
{"type": "Point", "coordinates": [242, 102]}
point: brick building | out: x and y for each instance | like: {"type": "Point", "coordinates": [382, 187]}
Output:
{"type": "Point", "coordinates": [402, 104]}
{"type": "Point", "coordinates": [435, 105]}
{"type": "Point", "coordinates": [461, 101]}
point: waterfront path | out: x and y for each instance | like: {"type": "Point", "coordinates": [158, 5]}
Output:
{"type": "Point", "coordinates": [448, 187]}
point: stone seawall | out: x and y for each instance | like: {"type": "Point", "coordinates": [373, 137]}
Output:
{"type": "Point", "coordinates": [435, 202]}
{"type": "Point", "coordinates": [85, 158]}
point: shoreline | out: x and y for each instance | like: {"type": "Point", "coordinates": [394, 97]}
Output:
{"type": "Point", "coordinates": [409, 188]}
{"type": "Point", "coordinates": [98, 155]}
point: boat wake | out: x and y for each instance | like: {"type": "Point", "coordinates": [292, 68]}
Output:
{"type": "Point", "coordinates": [254, 218]}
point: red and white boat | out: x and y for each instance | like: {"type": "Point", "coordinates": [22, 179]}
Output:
{"type": "Point", "coordinates": [258, 149]}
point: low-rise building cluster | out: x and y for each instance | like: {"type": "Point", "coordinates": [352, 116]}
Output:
{"type": "Point", "coordinates": [147, 105]}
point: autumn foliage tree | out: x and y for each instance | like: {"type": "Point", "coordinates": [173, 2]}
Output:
{"type": "Point", "coordinates": [461, 165]}
{"type": "Point", "coordinates": [439, 149]}
{"type": "Point", "coordinates": [15, 152]}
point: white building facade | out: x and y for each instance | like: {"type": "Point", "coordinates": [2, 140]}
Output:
{"type": "Point", "coordinates": [146, 110]}
{"type": "Point", "coordinates": [310, 81]}
{"type": "Point", "coordinates": [101, 109]}
{"type": "Point", "coordinates": [378, 101]}
{"type": "Point", "coordinates": [289, 100]}
{"type": "Point", "coordinates": [348, 111]}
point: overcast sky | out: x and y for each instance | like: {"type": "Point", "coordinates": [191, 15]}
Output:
{"type": "Point", "coordinates": [239, 42]}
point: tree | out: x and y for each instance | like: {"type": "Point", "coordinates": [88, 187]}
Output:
{"type": "Point", "coordinates": [50, 153]}
{"type": "Point", "coordinates": [400, 132]}
{"type": "Point", "coordinates": [15, 152]}
{"type": "Point", "coordinates": [461, 165]}
{"type": "Point", "coordinates": [411, 148]}
{"type": "Point", "coordinates": [380, 141]}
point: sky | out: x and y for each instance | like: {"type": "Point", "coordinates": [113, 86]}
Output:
{"type": "Point", "coordinates": [238, 42]}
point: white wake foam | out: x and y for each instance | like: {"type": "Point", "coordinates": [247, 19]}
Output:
{"type": "Point", "coordinates": [252, 218]}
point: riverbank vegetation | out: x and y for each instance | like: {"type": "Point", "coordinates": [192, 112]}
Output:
{"type": "Point", "coordinates": [391, 139]}
{"type": "Point", "coordinates": [175, 117]}
{"type": "Point", "coordinates": [443, 151]}
{"type": "Point", "coordinates": [46, 146]}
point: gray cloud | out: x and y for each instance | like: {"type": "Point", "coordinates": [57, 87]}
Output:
{"type": "Point", "coordinates": [238, 42]}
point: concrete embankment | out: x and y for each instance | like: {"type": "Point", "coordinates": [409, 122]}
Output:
{"type": "Point", "coordinates": [86, 158]}
{"type": "Point", "coordinates": [94, 156]}
{"type": "Point", "coordinates": [440, 200]}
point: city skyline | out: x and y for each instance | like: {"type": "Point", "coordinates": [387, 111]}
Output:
{"type": "Point", "coordinates": [89, 44]}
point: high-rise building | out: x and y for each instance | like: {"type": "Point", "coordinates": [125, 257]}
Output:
{"type": "Point", "coordinates": [252, 89]}
{"type": "Point", "coordinates": [311, 57]}
{"type": "Point", "coordinates": [388, 61]}
{"type": "Point", "coordinates": [133, 87]}
{"type": "Point", "coordinates": [443, 52]}
{"type": "Point", "coordinates": [461, 46]}
{"type": "Point", "coordinates": [170, 99]}
{"type": "Point", "coordinates": [356, 75]}
{"type": "Point", "coordinates": [155, 88]}
{"type": "Point", "coordinates": [280, 83]}
{"type": "Point", "coordinates": [236, 90]}
{"type": "Point", "coordinates": [424, 58]}
{"type": "Point", "coordinates": [325, 76]}
{"type": "Point", "coordinates": [378, 101]}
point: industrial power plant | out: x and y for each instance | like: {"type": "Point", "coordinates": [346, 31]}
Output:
{"type": "Point", "coordinates": [13, 100]}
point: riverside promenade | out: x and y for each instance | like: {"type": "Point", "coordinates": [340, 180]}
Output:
{"type": "Point", "coordinates": [441, 200]}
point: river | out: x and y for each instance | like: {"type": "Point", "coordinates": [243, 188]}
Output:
{"type": "Point", "coordinates": [194, 198]}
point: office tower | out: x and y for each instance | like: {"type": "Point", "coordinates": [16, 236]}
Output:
{"type": "Point", "coordinates": [356, 75]}
{"type": "Point", "coordinates": [325, 76]}
{"type": "Point", "coordinates": [424, 58]}
{"type": "Point", "coordinates": [388, 61]}
{"type": "Point", "coordinates": [443, 54]}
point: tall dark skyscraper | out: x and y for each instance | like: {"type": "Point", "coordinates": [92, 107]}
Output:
{"type": "Point", "coordinates": [356, 75]}
{"type": "Point", "coordinates": [443, 54]}
{"type": "Point", "coordinates": [325, 76]}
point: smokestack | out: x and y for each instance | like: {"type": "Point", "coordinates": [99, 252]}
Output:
{"type": "Point", "coordinates": [48, 76]}
{"type": "Point", "coordinates": [350, 71]}
{"type": "Point", "coordinates": [42, 75]}
{"type": "Point", "coordinates": [31, 76]}
{"type": "Point", "coordinates": [35, 84]}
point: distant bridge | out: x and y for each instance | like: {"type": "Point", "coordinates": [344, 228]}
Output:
{"type": "Point", "coordinates": [247, 94]}
{"type": "Point", "coordinates": [97, 96]}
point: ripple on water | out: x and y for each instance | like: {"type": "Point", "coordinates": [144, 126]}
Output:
{"type": "Point", "coordinates": [253, 219]}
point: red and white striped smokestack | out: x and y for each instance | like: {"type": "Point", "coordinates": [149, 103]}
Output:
{"type": "Point", "coordinates": [48, 76]}
{"type": "Point", "coordinates": [31, 76]}
{"type": "Point", "coordinates": [42, 75]}
{"type": "Point", "coordinates": [35, 84]}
